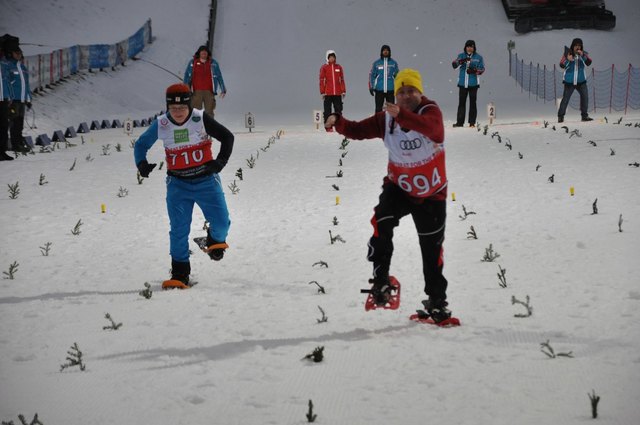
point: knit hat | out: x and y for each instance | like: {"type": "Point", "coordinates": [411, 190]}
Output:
{"type": "Point", "coordinates": [408, 77]}
{"type": "Point", "coordinates": [178, 94]}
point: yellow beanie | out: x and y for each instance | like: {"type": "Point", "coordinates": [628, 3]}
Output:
{"type": "Point", "coordinates": [408, 77]}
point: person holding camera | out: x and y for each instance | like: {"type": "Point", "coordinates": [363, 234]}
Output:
{"type": "Point", "coordinates": [471, 65]}
{"type": "Point", "coordinates": [574, 61]}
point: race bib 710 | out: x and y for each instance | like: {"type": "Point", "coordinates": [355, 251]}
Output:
{"type": "Point", "coordinates": [189, 156]}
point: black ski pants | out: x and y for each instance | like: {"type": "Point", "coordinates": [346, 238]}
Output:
{"type": "Point", "coordinates": [4, 126]}
{"type": "Point", "coordinates": [566, 96]}
{"type": "Point", "coordinates": [472, 92]}
{"type": "Point", "coordinates": [381, 97]}
{"type": "Point", "coordinates": [429, 217]}
{"type": "Point", "coordinates": [336, 101]}
{"type": "Point", "coordinates": [16, 117]}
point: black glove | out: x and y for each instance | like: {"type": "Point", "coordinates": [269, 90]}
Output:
{"type": "Point", "coordinates": [471, 71]}
{"type": "Point", "coordinates": [28, 105]}
{"type": "Point", "coordinates": [371, 92]}
{"type": "Point", "coordinates": [463, 60]}
{"type": "Point", "coordinates": [145, 168]}
{"type": "Point", "coordinates": [216, 166]}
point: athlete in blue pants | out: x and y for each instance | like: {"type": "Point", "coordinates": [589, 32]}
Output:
{"type": "Point", "coordinates": [192, 176]}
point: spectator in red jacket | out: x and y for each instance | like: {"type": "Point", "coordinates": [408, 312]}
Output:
{"type": "Point", "coordinates": [332, 88]}
{"type": "Point", "coordinates": [204, 78]}
{"type": "Point", "coordinates": [416, 183]}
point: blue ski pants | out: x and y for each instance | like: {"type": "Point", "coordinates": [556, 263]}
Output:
{"type": "Point", "coordinates": [182, 194]}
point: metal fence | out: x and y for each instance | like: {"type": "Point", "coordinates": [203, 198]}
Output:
{"type": "Point", "coordinates": [609, 89]}
{"type": "Point", "coordinates": [49, 68]}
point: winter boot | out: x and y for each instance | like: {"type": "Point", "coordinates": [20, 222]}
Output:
{"type": "Point", "coordinates": [216, 249]}
{"type": "Point", "coordinates": [179, 275]}
{"type": "Point", "coordinates": [437, 309]}
{"type": "Point", "coordinates": [381, 289]}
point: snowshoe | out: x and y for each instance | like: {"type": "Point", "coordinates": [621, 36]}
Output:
{"type": "Point", "coordinates": [435, 313]}
{"type": "Point", "coordinates": [179, 276]}
{"type": "Point", "coordinates": [215, 250]}
{"type": "Point", "coordinates": [384, 293]}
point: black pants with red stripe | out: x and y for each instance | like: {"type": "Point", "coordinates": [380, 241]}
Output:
{"type": "Point", "coordinates": [429, 217]}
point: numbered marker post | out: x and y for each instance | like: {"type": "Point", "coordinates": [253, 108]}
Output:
{"type": "Point", "coordinates": [249, 121]}
{"type": "Point", "coordinates": [491, 112]}
{"type": "Point", "coordinates": [128, 126]}
{"type": "Point", "coordinates": [317, 118]}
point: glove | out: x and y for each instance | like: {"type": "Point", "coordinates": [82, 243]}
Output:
{"type": "Point", "coordinates": [216, 166]}
{"type": "Point", "coordinates": [461, 61]}
{"type": "Point", "coordinates": [471, 71]}
{"type": "Point", "coordinates": [371, 92]}
{"type": "Point", "coordinates": [145, 168]}
{"type": "Point", "coordinates": [28, 105]}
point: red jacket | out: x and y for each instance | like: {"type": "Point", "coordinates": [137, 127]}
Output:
{"type": "Point", "coordinates": [332, 80]}
{"type": "Point", "coordinates": [201, 78]}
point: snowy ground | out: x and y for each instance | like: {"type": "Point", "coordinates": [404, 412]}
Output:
{"type": "Point", "coordinates": [229, 351]}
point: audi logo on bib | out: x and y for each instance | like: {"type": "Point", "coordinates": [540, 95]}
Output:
{"type": "Point", "coordinates": [409, 145]}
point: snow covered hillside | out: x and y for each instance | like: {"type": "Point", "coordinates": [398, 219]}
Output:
{"type": "Point", "coordinates": [229, 350]}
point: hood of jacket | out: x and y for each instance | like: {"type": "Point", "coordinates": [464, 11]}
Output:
{"type": "Point", "coordinates": [329, 52]}
{"type": "Point", "coordinates": [472, 44]}
{"type": "Point", "coordinates": [575, 42]}
{"type": "Point", "coordinates": [385, 46]}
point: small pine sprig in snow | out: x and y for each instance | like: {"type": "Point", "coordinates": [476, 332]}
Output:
{"type": "Point", "coordinates": [320, 287]}
{"type": "Point", "coordinates": [317, 355]}
{"type": "Point", "coordinates": [76, 229]}
{"type": "Point", "coordinates": [324, 316]}
{"type": "Point", "coordinates": [336, 238]}
{"type": "Point", "coordinates": [546, 348]}
{"type": "Point", "coordinates": [311, 417]}
{"type": "Point", "coordinates": [147, 292]}
{"type": "Point", "coordinates": [490, 254]}
{"type": "Point", "coordinates": [502, 277]}
{"type": "Point", "coordinates": [594, 207]}
{"type": "Point", "coordinates": [113, 326]}
{"type": "Point", "coordinates": [233, 187]}
{"type": "Point", "coordinates": [471, 234]}
{"type": "Point", "coordinates": [14, 190]}
{"type": "Point", "coordinates": [466, 213]}
{"type": "Point", "coordinates": [74, 358]}
{"type": "Point", "coordinates": [122, 192]}
{"type": "Point", "coordinates": [45, 249]}
{"type": "Point", "coordinates": [620, 224]}
{"type": "Point", "coordinates": [595, 399]}
{"type": "Point", "coordinates": [74, 164]}
{"type": "Point", "coordinates": [105, 149]}
{"type": "Point", "coordinates": [321, 264]}
{"type": "Point", "coordinates": [526, 304]}
{"type": "Point", "coordinates": [13, 268]}
{"type": "Point", "coordinates": [23, 421]}
{"type": "Point", "coordinates": [43, 180]}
